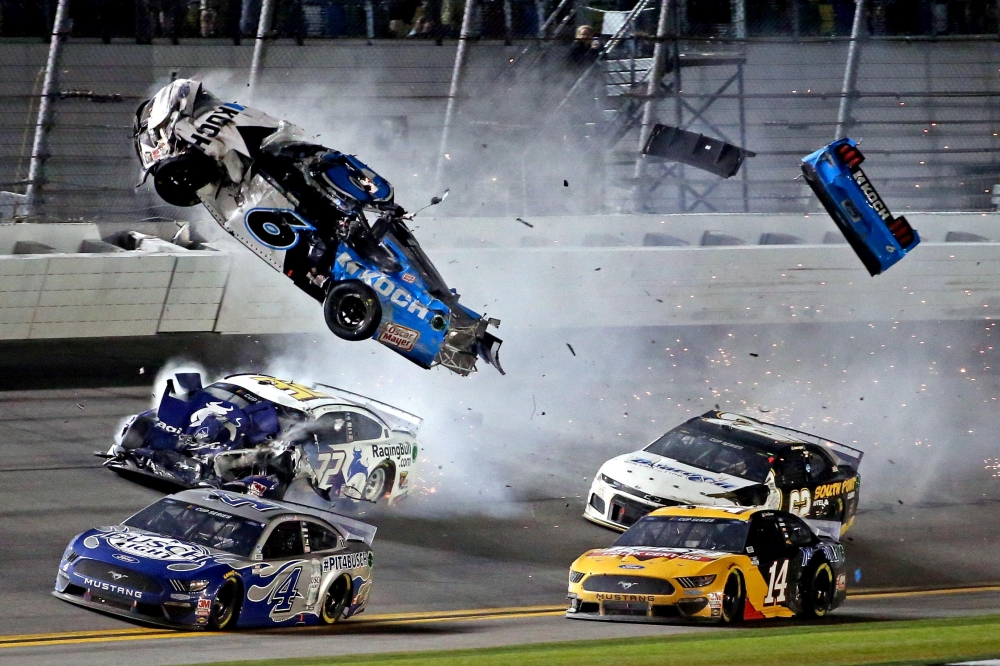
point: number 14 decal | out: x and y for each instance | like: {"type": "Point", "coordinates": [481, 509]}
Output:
{"type": "Point", "coordinates": [777, 583]}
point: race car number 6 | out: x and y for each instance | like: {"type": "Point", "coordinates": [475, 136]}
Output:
{"type": "Point", "coordinates": [276, 228]}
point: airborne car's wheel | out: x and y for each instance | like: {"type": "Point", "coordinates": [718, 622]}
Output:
{"type": "Point", "coordinates": [375, 485]}
{"type": "Point", "coordinates": [225, 607]}
{"type": "Point", "coordinates": [177, 179]}
{"type": "Point", "coordinates": [732, 600]}
{"type": "Point", "coordinates": [352, 310]}
{"type": "Point", "coordinates": [336, 601]}
{"type": "Point", "coordinates": [818, 596]}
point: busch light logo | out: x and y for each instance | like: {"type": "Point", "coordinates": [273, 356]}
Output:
{"type": "Point", "coordinates": [157, 547]}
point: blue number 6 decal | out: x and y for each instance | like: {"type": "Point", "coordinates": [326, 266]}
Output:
{"type": "Point", "coordinates": [276, 228]}
{"type": "Point", "coordinates": [284, 594]}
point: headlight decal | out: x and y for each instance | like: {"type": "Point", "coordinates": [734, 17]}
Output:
{"type": "Point", "coordinates": [696, 581]}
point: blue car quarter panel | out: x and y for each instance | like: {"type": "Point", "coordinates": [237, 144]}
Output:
{"type": "Point", "coordinates": [835, 175]}
{"type": "Point", "coordinates": [413, 321]}
{"type": "Point", "coordinates": [166, 580]}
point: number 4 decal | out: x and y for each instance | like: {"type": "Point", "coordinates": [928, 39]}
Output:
{"type": "Point", "coordinates": [283, 595]}
{"type": "Point", "coordinates": [777, 583]}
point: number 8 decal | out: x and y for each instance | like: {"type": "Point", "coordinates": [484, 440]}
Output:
{"type": "Point", "coordinates": [276, 228]}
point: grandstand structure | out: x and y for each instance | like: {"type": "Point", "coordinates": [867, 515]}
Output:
{"type": "Point", "coordinates": [529, 116]}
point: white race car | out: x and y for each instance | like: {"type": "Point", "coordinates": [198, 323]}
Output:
{"type": "Point", "coordinates": [273, 438]}
{"type": "Point", "coordinates": [723, 459]}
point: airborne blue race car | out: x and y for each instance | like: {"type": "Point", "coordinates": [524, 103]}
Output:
{"type": "Point", "coordinates": [214, 559]}
{"type": "Point", "coordinates": [835, 175]}
{"type": "Point", "coordinates": [304, 209]}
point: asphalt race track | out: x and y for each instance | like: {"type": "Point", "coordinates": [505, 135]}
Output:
{"type": "Point", "coordinates": [479, 557]}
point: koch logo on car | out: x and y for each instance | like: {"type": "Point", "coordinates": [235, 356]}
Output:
{"type": "Point", "coordinates": [383, 285]}
{"type": "Point", "coordinates": [869, 191]}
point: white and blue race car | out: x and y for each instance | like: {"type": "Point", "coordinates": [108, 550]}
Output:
{"type": "Point", "coordinates": [211, 559]}
{"type": "Point", "coordinates": [301, 208]}
{"type": "Point", "coordinates": [270, 437]}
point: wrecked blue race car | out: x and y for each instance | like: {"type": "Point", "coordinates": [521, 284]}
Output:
{"type": "Point", "coordinates": [273, 438]}
{"type": "Point", "coordinates": [301, 207]}
{"type": "Point", "coordinates": [211, 559]}
{"type": "Point", "coordinates": [879, 239]}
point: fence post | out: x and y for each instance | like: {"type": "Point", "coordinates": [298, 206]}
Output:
{"type": "Point", "coordinates": [39, 150]}
{"type": "Point", "coordinates": [369, 19]}
{"type": "Point", "coordinates": [263, 27]}
{"type": "Point", "coordinates": [655, 74]}
{"type": "Point", "coordinates": [738, 11]}
{"type": "Point", "coordinates": [850, 71]}
{"type": "Point", "coordinates": [507, 22]}
{"type": "Point", "coordinates": [463, 40]}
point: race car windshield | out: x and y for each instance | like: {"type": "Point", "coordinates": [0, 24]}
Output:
{"type": "Point", "coordinates": [720, 534]}
{"type": "Point", "coordinates": [197, 524]}
{"type": "Point", "coordinates": [712, 454]}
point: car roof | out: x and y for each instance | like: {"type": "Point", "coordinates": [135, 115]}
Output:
{"type": "Point", "coordinates": [286, 392]}
{"type": "Point", "coordinates": [746, 430]}
{"type": "Point", "coordinates": [266, 510]}
{"type": "Point", "coordinates": [725, 513]}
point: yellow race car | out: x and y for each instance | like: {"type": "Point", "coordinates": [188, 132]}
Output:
{"type": "Point", "coordinates": [721, 564]}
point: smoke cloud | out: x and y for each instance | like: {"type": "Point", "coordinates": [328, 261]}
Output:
{"type": "Point", "coordinates": [918, 399]}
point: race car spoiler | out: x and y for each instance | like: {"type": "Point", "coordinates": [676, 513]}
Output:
{"type": "Point", "coordinates": [396, 417]}
{"type": "Point", "coordinates": [845, 455]}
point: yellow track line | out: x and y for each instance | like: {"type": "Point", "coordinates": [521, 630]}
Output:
{"type": "Point", "coordinates": [514, 612]}
{"type": "Point", "coordinates": [924, 593]}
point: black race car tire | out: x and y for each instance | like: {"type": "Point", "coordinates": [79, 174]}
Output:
{"type": "Point", "coordinates": [352, 310]}
{"type": "Point", "coordinates": [177, 179]}
{"type": "Point", "coordinates": [136, 434]}
{"type": "Point", "coordinates": [817, 598]}
{"type": "Point", "coordinates": [226, 606]}
{"type": "Point", "coordinates": [733, 597]}
{"type": "Point", "coordinates": [337, 598]}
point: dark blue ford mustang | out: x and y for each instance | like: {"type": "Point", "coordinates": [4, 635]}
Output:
{"type": "Point", "coordinates": [213, 559]}
{"type": "Point", "coordinates": [835, 175]}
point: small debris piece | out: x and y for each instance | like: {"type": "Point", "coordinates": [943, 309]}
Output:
{"type": "Point", "coordinates": [754, 354]}
{"type": "Point", "coordinates": [565, 183]}
{"type": "Point", "coordinates": [571, 351]}
{"type": "Point", "coordinates": [526, 223]}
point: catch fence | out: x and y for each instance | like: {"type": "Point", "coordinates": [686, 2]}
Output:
{"type": "Point", "coordinates": [542, 117]}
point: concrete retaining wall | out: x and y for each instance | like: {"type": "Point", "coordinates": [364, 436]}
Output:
{"type": "Point", "coordinates": [68, 295]}
{"type": "Point", "coordinates": [225, 289]}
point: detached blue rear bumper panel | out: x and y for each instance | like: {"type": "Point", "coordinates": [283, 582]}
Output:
{"type": "Point", "coordinates": [835, 175]}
